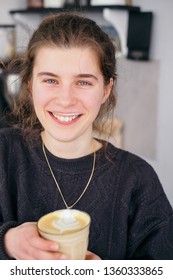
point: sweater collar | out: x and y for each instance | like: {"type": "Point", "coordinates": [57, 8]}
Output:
{"type": "Point", "coordinates": [75, 165]}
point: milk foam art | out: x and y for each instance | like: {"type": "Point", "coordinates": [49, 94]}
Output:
{"type": "Point", "coordinates": [66, 221]}
{"type": "Point", "coordinates": [69, 228]}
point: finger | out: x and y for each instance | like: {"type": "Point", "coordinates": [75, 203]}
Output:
{"type": "Point", "coordinates": [36, 254]}
{"type": "Point", "coordinates": [91, 256]}
{"type": "Point", "coordinates": [41, 243]}
{"type": "Point", "coordinates": [35, 240]}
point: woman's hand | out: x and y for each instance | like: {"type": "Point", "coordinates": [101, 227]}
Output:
{"type": "Point", "coordinates": [24, 243]}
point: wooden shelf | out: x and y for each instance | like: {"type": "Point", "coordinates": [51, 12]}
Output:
{"type": "Point", "coordinates": [72, 8]}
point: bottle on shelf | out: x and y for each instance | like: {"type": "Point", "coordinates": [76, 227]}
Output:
{"type": "Point", "coordinates": [34, 3]}
{"type": "Point", "coordinates": [54, 3]}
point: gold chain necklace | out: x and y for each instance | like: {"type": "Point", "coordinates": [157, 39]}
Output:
{"type": "Point", "coordinates": [58, 187]}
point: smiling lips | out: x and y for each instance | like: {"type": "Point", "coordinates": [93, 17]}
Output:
{"type": "Point", "coordinates": [66, 118]}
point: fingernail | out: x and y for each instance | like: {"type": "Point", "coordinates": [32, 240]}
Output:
{"type": "Point", "coordinates": [63, 257]}
{"type": "Point", "coordinates": [54, 247]}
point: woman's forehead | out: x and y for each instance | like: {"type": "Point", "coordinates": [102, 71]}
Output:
{"type": "Point", "coordinates": [76, 60]}
{"type": "Point", "coordinates": [73, 54]}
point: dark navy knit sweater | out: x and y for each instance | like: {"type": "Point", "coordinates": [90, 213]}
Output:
{"type": "Point", "coordinates": [131, 216]}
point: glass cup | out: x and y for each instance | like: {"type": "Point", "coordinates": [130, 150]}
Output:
{"type": "Point", "coordinates": [69, 228]}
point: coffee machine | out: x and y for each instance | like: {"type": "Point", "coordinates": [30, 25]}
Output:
{"type": "Point", "coordinates": [9, 90]}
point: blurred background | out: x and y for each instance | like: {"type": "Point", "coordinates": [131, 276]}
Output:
{"type": "Point", "coordinates": [141, 30]}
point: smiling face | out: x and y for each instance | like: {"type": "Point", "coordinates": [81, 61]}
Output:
{"type": "Point", "coordinates": [67, 89]}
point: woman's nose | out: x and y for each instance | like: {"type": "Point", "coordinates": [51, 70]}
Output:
{"type": "Point", "coordinates": [66, 95]}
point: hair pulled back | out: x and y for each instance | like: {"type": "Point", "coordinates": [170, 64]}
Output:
{"type": "Point", "coordinates": [64, 30]}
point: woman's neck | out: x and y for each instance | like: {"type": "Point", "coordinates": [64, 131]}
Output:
{"type": "Point", "coordinates": [72, 149]}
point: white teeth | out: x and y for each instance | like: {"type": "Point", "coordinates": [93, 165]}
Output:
{"type": "Point", "coordinates": [65, 118]}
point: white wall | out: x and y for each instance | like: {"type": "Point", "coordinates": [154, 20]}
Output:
{"type": "Point", "coordinates": [8, 5]}
{"type": "Point", "coordinates": [161, 49]}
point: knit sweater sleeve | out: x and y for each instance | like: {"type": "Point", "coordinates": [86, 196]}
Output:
{"type": "Point", "coordinates": [7, 212]}
{"type": "Point", "coordinates": [3, 229]}
{"type": "Point", "coordinates": [150, 218]}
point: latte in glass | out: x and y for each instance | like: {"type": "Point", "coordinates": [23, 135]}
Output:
{"type": "Point", "coordinates": [69, 228]}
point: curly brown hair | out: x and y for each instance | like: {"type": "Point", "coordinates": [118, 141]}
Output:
{"type": "Point", "coordinates": [64, 30]}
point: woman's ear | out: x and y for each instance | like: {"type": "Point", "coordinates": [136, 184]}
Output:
{"type": "Point", "coordinates": [108, 89]}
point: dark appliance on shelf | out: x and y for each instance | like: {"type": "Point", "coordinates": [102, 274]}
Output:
{"type": "Point", "coordinates": [139, 35]}
{"type": "Point", "coordinates": [9, 90]}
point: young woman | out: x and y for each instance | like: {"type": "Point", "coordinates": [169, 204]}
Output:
{"type": "Point", "coordinates": [51, 160]}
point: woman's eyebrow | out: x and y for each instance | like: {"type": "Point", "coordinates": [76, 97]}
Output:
{"type": "Point", "coordinates": [46, 74]}
{"type": "Point", "coordinates": [86, 76]}
{"type": "Point", "coordinates": [82, 75]}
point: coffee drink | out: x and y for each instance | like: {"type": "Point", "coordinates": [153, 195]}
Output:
{"type": "Point", "coordinates": [69, 228]}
